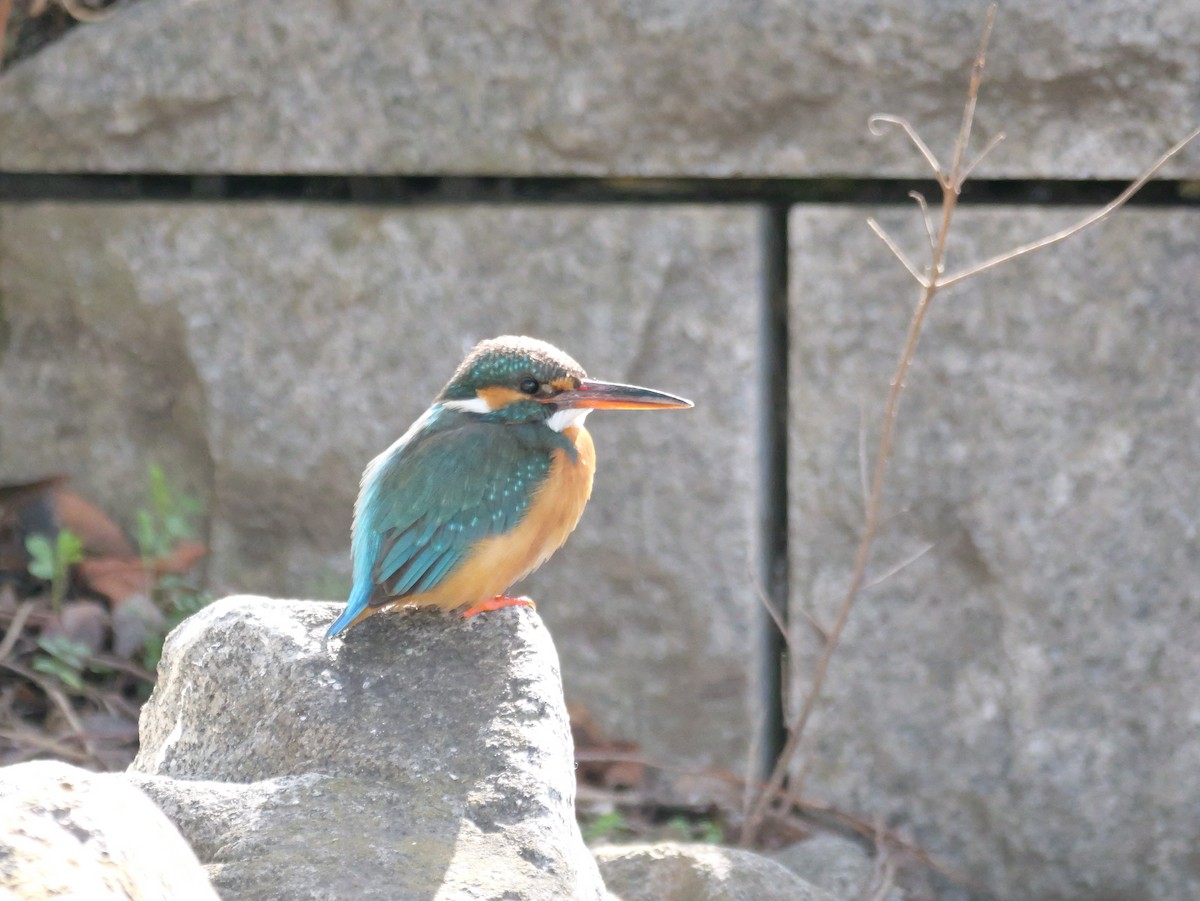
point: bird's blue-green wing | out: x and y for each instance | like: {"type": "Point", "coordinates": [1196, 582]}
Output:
{"type": "Point", "coordinates": [446, 484]}
{"type": "Point", "coordinates": [424, 507]}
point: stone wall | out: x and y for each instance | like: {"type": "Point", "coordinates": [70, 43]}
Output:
{"type": "Point", "coordinates": [1016, 698]}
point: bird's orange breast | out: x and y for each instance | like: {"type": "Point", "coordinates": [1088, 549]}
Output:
{"type": "Point", "coordinates": [495, 563]}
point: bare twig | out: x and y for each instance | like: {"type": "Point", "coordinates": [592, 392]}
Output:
{"type": "Point", "coordinates": [925, 220]}
{"type": "Point", "coordinates": [61, 701]}
{"type": "Point", "coordinates": [121, 665]}
{"type": "Point", "coordinates": [81, 13]}
{"type": "Point", "coordinates": [958, 172]}
{"type": "Point", "coordinates": [36, 739]}
{"type": "Point", "coordinates": [829, 816]}
{"type": "Point", "coordinates": [988, 148]}
{"type": "Point", "coordinates": [769, 606]}
{"type": "Point", "coordinates": [929, 288]}
{"type": "Point", "coordinates": [756, 740]}
{"type": "Point", "coordinates": [892, 570]}
{"type": "Point", "coordinates": [864, 484]}
{"type": "Point", "coordinates": [1117, 202]}
{"type": "Point", "coordinates": [768, 801]}
{"type": "Point", "coordinates": [897, 252]}
{"type": "Point", "coordinates": [15, 628]}
{"type": "Point", "coordinates": [881, 119]}
{"type": "Point", "coordinates": [73, 8]}
{"type": "Point", "coordinates": [883, 876]}
{"type": "Point", "coordinates": [814, 623]}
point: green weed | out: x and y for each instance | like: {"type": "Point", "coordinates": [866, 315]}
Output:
{"type": "Point", "coordinates": [51, 561]}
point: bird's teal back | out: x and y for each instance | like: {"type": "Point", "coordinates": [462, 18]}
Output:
{"type": "Point", "coordinates": [450, 482]}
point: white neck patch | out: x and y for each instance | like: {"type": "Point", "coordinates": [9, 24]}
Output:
{"type": "Point", "coordinates": [471, 405]}
{"type": "Point", "coordinates": [560, 421]}
{"type": "Point", "coordinates": [565, 419]}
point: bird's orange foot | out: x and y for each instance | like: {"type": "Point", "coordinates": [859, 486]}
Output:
{"type": "Point", "coordinates": [498, 603]}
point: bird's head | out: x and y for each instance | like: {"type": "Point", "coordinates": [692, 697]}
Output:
{"type": "Point", "coordinates": [515, 379]}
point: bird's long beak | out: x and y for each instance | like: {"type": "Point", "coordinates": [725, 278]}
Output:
{"type": "Point", "coordinates": [599, 395]}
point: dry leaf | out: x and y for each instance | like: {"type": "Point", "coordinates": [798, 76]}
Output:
{"type": "Point", "coordinates": [101, 536]}
{"type": "Point", "coordinates": [118, 579]}
{"type": "Point", "coordinates": [184, 556]}
{"type": "Point", "coordinates": [591, 745]}
{"type": "Point", "coordinates": [14, 494]}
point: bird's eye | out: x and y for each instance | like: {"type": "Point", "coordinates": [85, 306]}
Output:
{"type": "Point", "coordinates": [529, 386]}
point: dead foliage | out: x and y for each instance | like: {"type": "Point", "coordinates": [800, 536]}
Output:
{"type": "Point", "coordinates": [28, 25]}
{"type": "Point", "coordinates": [83, 615]}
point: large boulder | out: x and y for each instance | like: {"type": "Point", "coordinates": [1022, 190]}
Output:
{"type": "Point", "coordinates": [669, 88]}
{"type": "Point", "coordinates": [421, 754]}
{"type": "Point", "coordinates": [1022, 697]}
{"type": "Point", "coordinates": [672, 871]}
{"type": "Point", "coordinates": [263, 353]}
{"type": "Point", "coordinates": [839, 865]}
{"type": "Point", "coordinates": [67, 832]}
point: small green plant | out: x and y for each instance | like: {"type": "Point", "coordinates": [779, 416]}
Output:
{"type": "Point", "coordinates": [170, 518]}
{"type": "Point", "coordinates": [178, 600]}
{"type": "Point", "coordinates": [51, 560]}
{"type": "Point", "coordinates": [707, 831]}
{"type": "Point", "coordinates": [606, 826]}
{"type": "Point", "coordinates": [67, 660]}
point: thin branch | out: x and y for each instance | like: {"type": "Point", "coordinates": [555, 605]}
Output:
{"type": "Point", "coordinates": [863, 483]}
{"type": "Point", "coordinates": [828, 816]}
{"type": "Point", "coordinates": [870, 528]}
{"type": "Point", "coordinates": [897, 252]}
{"type": "Point", "coordinates": [60, 701]}
{"type": "Point", "coordinates": [920, 199]}
{"type": "Point", "coordinates": [1119, 201]}
{"type": "Point", "coordinates": [776, 616]}
{"type": "Point", "coordinates": [957, 173]}
{"type": "Point", "coordinates": [128, 667]}
{"type": "Point", "coordinates": [883, 877]}
{"type": "Point", "coordinates": [902, 565]}
{"type": "Point", "coordinates": [814, 623]}
{"type": "Point", "coordinates": [36, 739]}
{"type": "Point", "coordinates": [988, 148]}
{"type": "Point", "coordinates": [792, 798]}
{"type": "Point", "coordinates": [771, 800]}
{"type": "Point", "coordinates": [81, 13]}
{"type": "Point", "coordinates": [950, 185]}
{"type": "Point", "coordinates": [15, 628]}
{"type": "Point", "coordinates": [748, 786]}
{"type": "Point", "coordinates": [884, 119]}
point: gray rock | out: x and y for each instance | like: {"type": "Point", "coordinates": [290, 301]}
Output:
{"type": "Point", "coordinates": [671, 87]}
{"type": "Point", "coordinates": [1021, 697]}
{"type": "Point", "coordinates": [671, 871]}
{"type": "Point", "coordinates": [69, 832]}
{"type": "Point", "coordinates": [262, 354]}
{"type": "Point", "coordinates": [323, 837]}
{"type": "Point", "coordinates": [838, 865]}
{"type": "Point", "coordinates": [422, 754]}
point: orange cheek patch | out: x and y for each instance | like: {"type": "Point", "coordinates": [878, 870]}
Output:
{"type": "Point", "coordinates": [498, 397]}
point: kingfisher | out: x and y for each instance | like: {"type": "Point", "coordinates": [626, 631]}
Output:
{"type": "Point", "coordinates": [485, 485]}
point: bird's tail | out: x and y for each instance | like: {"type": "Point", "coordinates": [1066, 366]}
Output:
{"type": "Point", "coordinates": [356, 608]}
